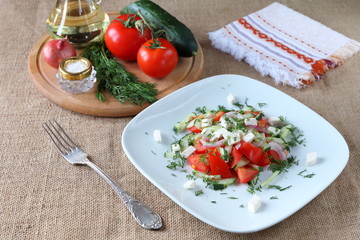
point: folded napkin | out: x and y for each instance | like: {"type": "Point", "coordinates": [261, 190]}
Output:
{"type": "Point", "coordinates": [290, 47]}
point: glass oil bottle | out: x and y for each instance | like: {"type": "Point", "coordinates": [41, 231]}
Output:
{"type": "Point", "coordinates": [80, 21]}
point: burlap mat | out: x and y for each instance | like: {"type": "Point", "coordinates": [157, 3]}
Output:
{"type": "Point", "coordinates": [44, 197]}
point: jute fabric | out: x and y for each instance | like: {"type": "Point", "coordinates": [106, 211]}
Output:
{"type": "Point", "coordinates": [44, 197]}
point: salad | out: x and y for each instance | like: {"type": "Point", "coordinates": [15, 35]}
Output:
{"type": "Point", "coordinates": [227, 146]}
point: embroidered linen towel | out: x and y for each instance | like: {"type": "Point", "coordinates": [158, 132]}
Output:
{"type": "Point", "coordinates": [290, 47]}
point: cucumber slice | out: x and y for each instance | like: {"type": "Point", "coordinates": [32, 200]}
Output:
{"type": "Point", "coordinates": [206, 176]}
{"type": "Point", "coordinates": [285, 134]}
{"type": "Point", "coordinates": [181, 126]}
{"type": "Point", "coordinates": [187, 141]}
{"type": "Point", "coordinates": [220, 184]}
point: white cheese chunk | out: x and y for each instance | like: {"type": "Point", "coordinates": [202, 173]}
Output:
{"type": "Point", "coordinates": [311, 158]}
{"type": "Point", "coordinates": [190, 184]}
{"type": "Point", "coordinates": [231, 99]}
{"type": "Point", "coordinates": [249, 137]}
{"type": "Point", "coordinates": [275, 131]}
{"type": "Point", "coordinates": [251, 121]}
{"type": "Point", "coordinates": [157, 135]}
{"type": "Point", "coordinates": [275, 121]}
{"type": "Point", "coordinates": [231, 138]}
{"type": "Point", "coordinates": [188, 151]}
{"type": "Point", "coordinates": [225, 123]}
{"type": "Point", "coordinates": [206, 122]}
{"type": "Point", "coordinates": [217, 134]}
{"type": "Point", "coordinates": [175, 147]}
{"type": "Point", "coordinates": [191, 123]}
{"type": "Point", "coordinates": [254, 204]}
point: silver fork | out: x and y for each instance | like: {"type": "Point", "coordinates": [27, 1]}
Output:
{"type": "Point", "coordinates": [68, 149]}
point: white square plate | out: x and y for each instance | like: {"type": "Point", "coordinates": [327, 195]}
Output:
{"type": "Point", "coordinates": [227, 209]}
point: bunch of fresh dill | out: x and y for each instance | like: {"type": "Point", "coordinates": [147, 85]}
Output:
{"type": "Point", "coordinates": [114, 78]}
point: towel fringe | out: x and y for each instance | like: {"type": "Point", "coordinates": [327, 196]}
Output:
{"type": "Point", "coordinates": [345, 52]}
{"type": "Point", "coordinates": [320, 67]}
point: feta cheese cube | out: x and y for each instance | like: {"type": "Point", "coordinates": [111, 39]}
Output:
{"type": "Point", "coordinates": [191, 123]}
{"type": "Point", "coordinates": [206, 122]}
{"type": "Point", "coordinates": [225, 123]}
{"type": "Point", "coordinates": [275, 121]}
{"type": "Point", "coordinates": [190, 184]}
{"type": "Point", "coordinates": [311, 158]}
{"type": "Point", "coordinates": [249, 137]}
{"type": "Point", "coordinates": [231, 99]}
{"type": "Point", "coordinates": [254, 204]}
{"type": "Point", "coordinates": [231, 138]}
{"type": "Point", "coordinates": [274, 131]}
{"type": "Point", "coordinates": [241, 133]}
{"type": "Point", "coordinates": [251, 121]}
{"type": "Point", "coordinates": [217, 134]}
{"type": "Point", "coordinates": [157, 135]}
{"type": "Point", "coordinates": [175, 147]}
{"type": "Point", "coordinates": [188, 151]}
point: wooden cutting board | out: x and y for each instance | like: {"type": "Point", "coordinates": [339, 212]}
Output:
{"type": "Point", "coordinates": [187, 71]}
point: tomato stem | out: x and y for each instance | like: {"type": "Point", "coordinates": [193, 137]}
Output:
{"type": "Point", "coordinates": [155, 44]}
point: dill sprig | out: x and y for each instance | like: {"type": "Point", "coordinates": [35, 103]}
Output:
{"type": "Point", "coordinates": [114, 78]}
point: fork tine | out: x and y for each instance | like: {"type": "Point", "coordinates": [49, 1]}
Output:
{"type": "Point", "coordinates": [54, 139]}
{"type": "Point", "coordinates": [61, 132]}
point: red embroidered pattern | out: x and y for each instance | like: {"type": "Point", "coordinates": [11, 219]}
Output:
{"type": "Point", "coordinates": [289, 35]}
{"type": "Point", "coordinates": [318, 67]}
{"type": "Point", "coordinates": [239, 40]}
{"type": "Point", "coordinates": [277, 44]}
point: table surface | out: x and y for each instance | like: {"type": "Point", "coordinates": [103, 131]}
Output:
{"type": "Point", "coordinates": [44, 197]}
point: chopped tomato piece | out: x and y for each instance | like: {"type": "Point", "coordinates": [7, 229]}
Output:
{"type": "Point", "coordinates": [217, 165]}
{"type": "Point", "coordinates": [265, 160]}
{"type": "Point", "coordinates": [198, 116]}
{"type": "Point", "coordinates": [246, 174]}
{"type": "Point", "coordinates": [263, 123]}
{"type": "Point", "coordinates": [255, 113]}
{"type": "Point", "coordinates": [218, 115]}
{"type": "Point", "coordinates": [200, 148]}
{"type": "Point", "coordinates": [194, 129]}
{"type": "Point", "coordinates": [253, 153]}
{"type": "Point", "coordinates": [273, 155]}
{"type": "Point", "coordinates": [199, 162]}
{"type": "Point", "coordinates": [236, 156]}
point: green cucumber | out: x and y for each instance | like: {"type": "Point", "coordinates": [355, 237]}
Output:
{"type": "Point", "coordinates": [159, 19]}
{"type": "Point", "coordinates": [205, 176]}
{"type": "Point", "coordinates": [286, 133]}
{"type": "Point", "coordinates": [219, 184]}
{"type": "Point", "coordinates": [181, 126]}
{"type": "Point", "coordinates": [186, 141]}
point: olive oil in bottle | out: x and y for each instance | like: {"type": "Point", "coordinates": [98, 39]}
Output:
{"type": "Point", "coordinates": [80, 21]}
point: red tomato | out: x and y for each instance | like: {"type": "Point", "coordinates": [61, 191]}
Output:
{"type": "Point", "coordinates": [273, 155]}
{"type": "Point", "coordinates": [194, 129]}
{"type": "Point", "coordinates": [237, 155]}
{"type": "Point", "coordinates": [124, 42]}
{"type": "Point", "coordinates": [199, 162]}
{"type": "Point", "coordinates": [253, 153]}
{"type": "Point", "coordinates": [246, 174]}
{"type": "Point", "coordinates": [263, 123]}
{"type": "Point", "coordinates": [198, 116]}
{"type": "Point", "coordinates": [157, 58]}
{"type": "Point", "coordinates": [265, 160]}
{"type": "Point", "coordinates": [218, 115]}
{"type": "Point", "coordinates": [199, 147]}
{"type": "Point", "coordinates": [217, 165]}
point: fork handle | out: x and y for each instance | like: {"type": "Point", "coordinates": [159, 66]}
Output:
{"type": "Point", "coordinates": [147, 218]}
